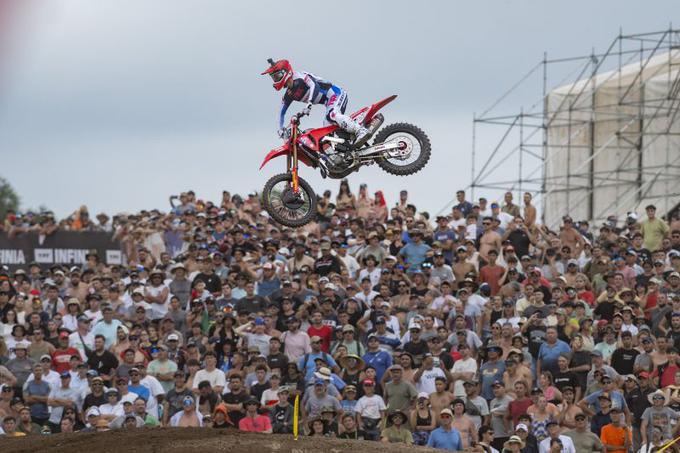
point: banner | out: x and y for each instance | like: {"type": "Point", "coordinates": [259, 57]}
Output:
{"type": "Point", "coordinates": [63, 247]}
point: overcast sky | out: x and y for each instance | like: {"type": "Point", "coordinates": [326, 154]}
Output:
{"type": "Point", "coordinates": [117, 104]}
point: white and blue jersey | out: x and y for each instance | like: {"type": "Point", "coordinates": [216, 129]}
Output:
{"type": "Point", "coordinates": [306, 88]}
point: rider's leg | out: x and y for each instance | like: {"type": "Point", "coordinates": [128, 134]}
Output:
{"type": "Point", "coordinates": [335, 113]}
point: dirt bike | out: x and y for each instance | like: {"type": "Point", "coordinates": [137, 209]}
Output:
{"type": "Point", "coordinates": [399, 149]}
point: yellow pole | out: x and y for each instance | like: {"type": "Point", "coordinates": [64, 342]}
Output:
{"type": "Point", "coordinates": [669, 444]}
{"type": "Point", "coordinates": [295, 416]}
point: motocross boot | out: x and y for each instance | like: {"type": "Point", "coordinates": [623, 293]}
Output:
{"type": "Point", "coordinates": [347, 123]}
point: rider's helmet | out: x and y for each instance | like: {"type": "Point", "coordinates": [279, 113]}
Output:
{"type": "Point", "coordinates": [280, 71]}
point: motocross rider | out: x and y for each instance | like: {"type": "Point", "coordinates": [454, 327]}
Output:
{"type": "Point", "coordinates": [306, 87]}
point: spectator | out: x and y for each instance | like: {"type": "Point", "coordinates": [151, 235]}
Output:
{"type": "Point", "coordinates": [446, 437]}
{"type": "Point", "coordinates": [253, 422]}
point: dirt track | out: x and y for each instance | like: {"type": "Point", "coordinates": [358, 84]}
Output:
{"type": "Point", "coordinates": [189, 440]}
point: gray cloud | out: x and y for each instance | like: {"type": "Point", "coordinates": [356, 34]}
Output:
{"type": "Point", "coordinates": [118, 104]}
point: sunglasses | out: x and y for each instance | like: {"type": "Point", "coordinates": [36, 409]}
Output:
{"type": "Point", "coordinates": [445, 416]}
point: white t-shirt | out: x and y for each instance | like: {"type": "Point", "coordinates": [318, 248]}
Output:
{"type": "Point", "coordinates": [370, 406]}
{"type": "Point", "coordinates": [567, 445]}
{"type": "Point", "coordinates": [426, 382]}
{"type": "Point", "coordinates": [261, 341]}
{"type": "Point", "coordinates": [215, 377]}
{"type": "Point", "coordinates": [109, 409]}
{"type": "Point", "coordinates": [155, 388]}
{"type": "Point", "coordinates": [74, 341]}
{"type": "Point", "coordinates": [462, 366]}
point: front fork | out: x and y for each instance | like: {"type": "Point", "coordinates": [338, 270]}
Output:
{"type": "Point", "coordinates": [292, 161]}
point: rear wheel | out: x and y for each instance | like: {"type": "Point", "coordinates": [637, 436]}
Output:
{"type": "Point", "coordinates": [285, 206]}
{"type": "Point", "coordinates": [412, 139]}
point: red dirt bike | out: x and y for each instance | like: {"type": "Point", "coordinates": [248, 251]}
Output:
{"type": "Point", "coordinates": [400, 149]}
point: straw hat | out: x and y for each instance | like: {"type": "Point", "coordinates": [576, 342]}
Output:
{"type": "Point", "coordinates": [514, 440]}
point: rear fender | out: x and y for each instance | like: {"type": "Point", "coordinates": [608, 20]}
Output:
{"type": "Point", "coordinates": [376, 107]}
{"type": "Point", "coordinates": [282, 150]}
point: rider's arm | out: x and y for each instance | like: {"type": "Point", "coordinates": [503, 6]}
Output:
{"type": "Point", "coordinates": [285, 103]}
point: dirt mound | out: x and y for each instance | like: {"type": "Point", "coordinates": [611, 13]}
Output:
{"type": "Point", "coordinates": [189, 440]}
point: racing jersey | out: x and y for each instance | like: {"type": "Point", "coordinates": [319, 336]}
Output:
{"type": "Point", "coordinates": [306, 87]}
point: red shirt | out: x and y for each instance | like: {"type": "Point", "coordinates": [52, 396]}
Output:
{"type": "Point", "coordinates": [61, 359]}
{"type": "Point", "coordinates": [491, 275]}
{"type": "Point", "coordinates": [517, 408]}
{"type": "Point", "coordinates": [326, 334]}
{"type": "Point", "coordinates": [258, 424]}
{"type": "Point", "coordinates": [667, 377]}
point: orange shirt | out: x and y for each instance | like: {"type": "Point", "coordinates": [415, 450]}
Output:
{"type": "Point", "coordinates": [614, 435]}
{"type": "Point", "coordinates": [258, 424]}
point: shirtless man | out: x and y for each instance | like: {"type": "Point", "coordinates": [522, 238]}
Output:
{"type": "Point", "coordinates": [490, 239]}
{"type": "Point", "coordinates": [570, 237]}
{"type": "Point", "coordinates": [442, 398]}
{"type": "Point", "coordinates": [188, 417]}
{"type": "Point", "coordinates": [660, 356]}
{"type": "Point", "coordinates": [464, 424]}
{"type": "Point", "coordinates": [513, 374]}
{"type": "Point", "coordinates": [461, 268]}
{"type": "Point", "coordinates": [529, 211]}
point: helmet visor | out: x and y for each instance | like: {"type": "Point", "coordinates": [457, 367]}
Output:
{"type": "Point", "coordinates": [277, 76]}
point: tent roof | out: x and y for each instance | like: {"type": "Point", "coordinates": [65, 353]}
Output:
{"type": "Point", "coordinates": [655, 66]}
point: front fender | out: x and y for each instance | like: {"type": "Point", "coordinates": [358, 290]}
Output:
{"type": "Point", "coordinates": [276, 152]}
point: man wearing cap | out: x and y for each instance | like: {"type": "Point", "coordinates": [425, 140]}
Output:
{"type": "Point", "coordinates": [583, 439]}
{"type": "Point", "coordinates": [654, 229]}
{"type": "Point", "coordinates": [554, 433]}
{"type": "Point", "coordinates": [399, 393]}
{"type": "Point", "coordinates": [317, 399]}
{"type": "Point", "coordinates": [370, 410]}
{"type": "Point", "coordinates": [616, 436]}
{"type": "Point", "coordinates": [413, 254]}
{"type": "Point", "coordinates": [281, 414]}
{"type": "Point", "coordinates": [21, 365]}
{"type": "Point", "coordinates": [376, 357]}
{"type": "Point", "coordinates": [307, 363]}
{"type": "Point", "coordinates": [82, 338]}
{"type": "Point", "coordinates": [253, 421]}
{"type": "Point", "coordinates": [254, 333]}
{"type": "Point", "coordinates": [60, 398]}
{"type": "Point", "coordinates": [491, 371]}
{"type": "Point", "coordinates": [446, 437]}
{"type": "Point", "coordinates": [500, 415]}
{"type": "Point", "coordinates": [61, 357]}
{"type": "Point", "coordinates": [327, 262]}
{"type": "Point", "coordinates": [163, 369]}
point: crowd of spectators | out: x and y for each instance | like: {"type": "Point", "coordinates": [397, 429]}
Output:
{"type": "Point", "coordinates": [481, 330]}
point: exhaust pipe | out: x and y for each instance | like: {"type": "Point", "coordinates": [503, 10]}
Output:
{"type": "Point", "coordinates": [375, 124]}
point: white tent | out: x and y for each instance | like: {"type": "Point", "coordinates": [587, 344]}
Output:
{"type": "Point", "coordinates": [613, 142]}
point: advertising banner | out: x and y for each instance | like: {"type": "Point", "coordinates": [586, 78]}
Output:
{"type": "Point", "coordinates": [63, 247]}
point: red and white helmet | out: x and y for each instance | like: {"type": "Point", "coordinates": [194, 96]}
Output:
{"type": "Point", "coordinates": [280, 71]}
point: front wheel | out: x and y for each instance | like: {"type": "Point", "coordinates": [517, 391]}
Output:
{"type": "Point", "coordinates": [285, 206]}
{"type": "Point", "coordinates": [415, 142]}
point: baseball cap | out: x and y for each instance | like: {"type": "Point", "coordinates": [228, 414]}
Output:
{"type": "Point", "coordinates": [521, 426]}
{"type": "Point", "coordinates": [173, 337]}
{"type": "Point", "coordinates": [446, 411]}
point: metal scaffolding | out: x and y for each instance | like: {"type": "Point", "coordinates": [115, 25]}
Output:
{"type": "Point", "coordinates": [556, 149]}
